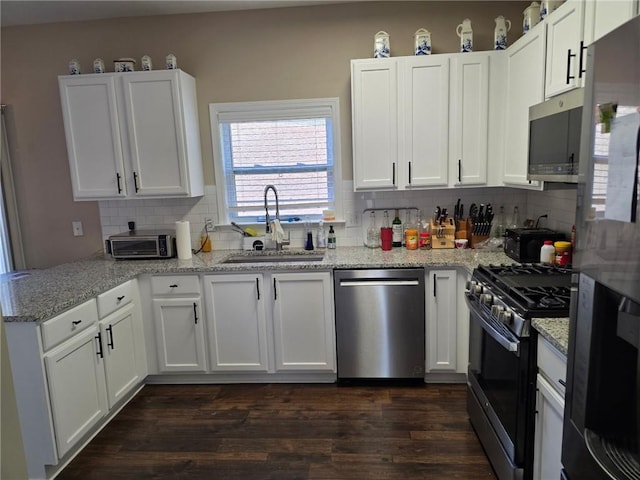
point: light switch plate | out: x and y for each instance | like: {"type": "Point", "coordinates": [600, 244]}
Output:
{"type": "Point", "coordinates": [77, 229]}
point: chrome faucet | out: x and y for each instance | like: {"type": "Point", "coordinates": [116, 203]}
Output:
{"type": "Point", "coordinates": [279, 244]}
{"type": "Point", "coordinates": [266, 206]}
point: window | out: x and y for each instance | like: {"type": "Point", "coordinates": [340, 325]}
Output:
{"type": "Point", "coordinates": [293, 145]}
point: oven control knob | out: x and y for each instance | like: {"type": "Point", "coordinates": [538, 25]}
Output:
{"type": "Point", "coordinates": [470, 284]}
{"type": "Point", "coordinates": [486, 298]}
{"type": "Point", "coordinates": [476, 289]}
{"type": "Point", "coordinates": [496, 309]}
{"type": "Point", "coordinates": [505, 317]}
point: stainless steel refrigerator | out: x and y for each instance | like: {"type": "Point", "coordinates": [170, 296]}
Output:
{"type": "Point", "coordinates": [602, 404]}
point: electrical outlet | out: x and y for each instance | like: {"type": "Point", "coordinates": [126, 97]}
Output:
{"type": "Point", "coordinates": [77, 229]}
{"type": "Point", "coordinates": [208, 224]}
{"type": "Point", "coordinates": [352, 218]}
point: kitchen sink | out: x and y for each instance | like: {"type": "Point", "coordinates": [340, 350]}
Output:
{"type": "Point", "coordinates": [274, 258]}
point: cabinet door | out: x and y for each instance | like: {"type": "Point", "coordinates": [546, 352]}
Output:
{"type": "Point", "coordinates": [237, 322]}
{"type": "Point", "coordinates": [564, 34]}
{"type": "Point", "coordinates": [119, 339]}
{"type": "Point", "coordinates": [441, 321]}
{"type": "Point", "coordinates": [156, 143]}
{"type": "Point", "coordinates": [374, 107]}
{"type": "Point", "coordinates": [525, 87]}
{"type": "Point", "coordinates": [76, 387]}
{"type": "Point", "coordinates": [603, 16]}
{"type": "Point", "coordinates": [548, 436]}
{"type": "Point", "coordinates": [92, 129]}
{"type": "Point", "coordinates": [179, 334]}
{"type": "Point", "coordinates": [469, 119]}
{"type": "Point", "coordinates": [303, 321]}
{"type": "Point", "coordinates": [425, 121]}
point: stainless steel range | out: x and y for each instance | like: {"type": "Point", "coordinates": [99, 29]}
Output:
{"type": "Point", "coordinates": [502, 300]}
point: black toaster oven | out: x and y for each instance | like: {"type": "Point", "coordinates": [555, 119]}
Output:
{"type": "Point", "coordinates": [523, 244]}
{"type": "Point", "coordinates": [142, 244]}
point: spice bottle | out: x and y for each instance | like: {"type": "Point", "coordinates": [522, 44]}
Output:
{"type": "Point", "coordinates": [548, 253]}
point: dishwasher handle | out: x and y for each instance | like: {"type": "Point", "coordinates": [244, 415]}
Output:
{"type": "Point", "coordinates": [377, 282]}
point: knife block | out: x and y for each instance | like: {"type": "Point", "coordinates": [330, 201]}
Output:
{"type": "Point", "coordinates": [473, 239]}
{"type": "Point", "coordinates": [446, 237]}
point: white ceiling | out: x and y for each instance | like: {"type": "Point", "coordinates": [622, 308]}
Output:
{"type": "Point", "coordinates": [28, 12]}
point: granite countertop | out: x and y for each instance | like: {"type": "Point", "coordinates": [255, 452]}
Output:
{"type": "Point", "coordinates": [36, 295]}
{"type": "Point", "coordinates": [556, 330]}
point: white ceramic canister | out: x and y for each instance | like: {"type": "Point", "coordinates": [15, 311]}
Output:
{"type": "Point", "coordinates": [172, 62]}
{"type": "Point", "coordinates": [98, 65]}
{"type": "Point", "coordinates": [422, 42]}
{"type": "Point", "coordinates": [381, 45]}
{"type": "Point", "coordinates": [145, 61]}
{"type": "Point", "coordinates": [465, 32]}
{"type": "Point", "coordinates": [74, 67]}
{"type": "Point", "coordinates": [503, 25]}
{"type": "Point", "coordinates": [531, 17]}
{"type": "Point", "coordinates": [548, 6]}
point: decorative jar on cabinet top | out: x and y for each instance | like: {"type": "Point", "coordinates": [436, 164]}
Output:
{"type": "Point", "coordinates": [503, 25]}
{"type": "Point", "coordinates": [422, 42]}
{"type": "Point", "coordinates": [531, 17]}
{"type": "Point", "coordinates": [381, 47]}
{"type": "Point", "coordinates": [465, 33]}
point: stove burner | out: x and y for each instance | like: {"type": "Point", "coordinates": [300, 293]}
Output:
{"type": "Point", "coordinates": [552, 302]}
{"type": "Point", "coordinates": [525, 269]}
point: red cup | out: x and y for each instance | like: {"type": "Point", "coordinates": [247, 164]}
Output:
{"type": "Point", "coordinates": [386, 238]}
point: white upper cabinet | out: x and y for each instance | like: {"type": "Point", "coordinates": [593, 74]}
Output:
{"type": "Point", "coordinates": [564, 65]}
{"type": "Point", "coordinates": [424, 121]}
{"type": "Point", "coordinates": [570, 29]}
{"type": "Point", "coordinates": [374, 98]}
{"type": "Point", "coordinates": [469, 117]}
{"type": "Point", "coordinates": [421, 122]}
{"type": "Point", "coordinates": [603, 16]}
{"type": "Point", "coordinates": [132, 135]}
{"type": "Point", "coordinates": [525, 87]}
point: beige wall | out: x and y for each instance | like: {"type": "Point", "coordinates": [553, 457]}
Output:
{"type": "Point", "coordinates": [274, 54]}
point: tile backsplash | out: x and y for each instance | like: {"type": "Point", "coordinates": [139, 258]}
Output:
{"type": "Point", "coordinates": [559, 205]}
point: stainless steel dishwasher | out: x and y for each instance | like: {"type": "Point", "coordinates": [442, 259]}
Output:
{"type": "Point", "coordinates": [380, 316]}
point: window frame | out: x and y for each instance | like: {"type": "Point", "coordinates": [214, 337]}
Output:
{"type": "Point", "coordinates": [228, 112]}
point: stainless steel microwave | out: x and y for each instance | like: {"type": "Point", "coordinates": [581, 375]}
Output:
{"type": "Point", "coordinates": [554, 138]}
{"type": "Point", "coordinates": [142, 244]}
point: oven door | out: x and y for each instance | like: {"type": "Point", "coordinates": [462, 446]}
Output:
{"type": "Point", "coordinates": [499, 375]}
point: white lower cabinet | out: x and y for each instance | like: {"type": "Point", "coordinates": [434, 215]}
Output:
{"type": "Point", "coordinates": [303, 323]}
{"type": "Point", "coordinates": [549, 412]}
{"type": "Point", "coordinates": [237, 328]}
{"type": "Point", "coordinates": [77, 388]}
{"type": "Point", "coordinates": [270, 322]}
{"type": "Point", "coordinates": [178, 321]}
{"type": "Point", "coordinates": [441, 328]}
{"type": "Point", "coordinates": [120, 348]}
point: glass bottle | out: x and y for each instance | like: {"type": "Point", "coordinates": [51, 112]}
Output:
{"type": "Point", "coordinates": [396, 226]}
{"type": "Point", "coordinates": [515, 220]}
{"type": "Point", "coordinates": [410, 233]}
{"type": "Point", "coordinates": [499, 227]}
{"type": "Point", "coordinates": [373, 233]}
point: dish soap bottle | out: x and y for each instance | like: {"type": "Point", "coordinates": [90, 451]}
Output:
{"type": "Point", "coordinates": [331, 239]}
{"type": "Point", "coordinates": [322, 238]}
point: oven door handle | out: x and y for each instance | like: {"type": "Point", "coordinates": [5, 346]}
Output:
{"type": "Point", "coordinates": [509, 344]}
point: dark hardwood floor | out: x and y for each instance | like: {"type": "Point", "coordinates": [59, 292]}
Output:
{"type": "Point", "coordinates": [287, 431]}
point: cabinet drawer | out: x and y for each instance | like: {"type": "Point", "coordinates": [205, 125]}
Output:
{"type": "Point", "coordinates": [109, 302]}
{"type": "Point", "coordinates": [552, 364]}
{"type": "Point", "coordinates": [68, 324]}
{"type": "Point", "coordinates": [175, 285]}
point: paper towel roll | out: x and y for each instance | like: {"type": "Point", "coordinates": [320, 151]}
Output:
{"type": "Point", "coordinates": [183, 240]}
